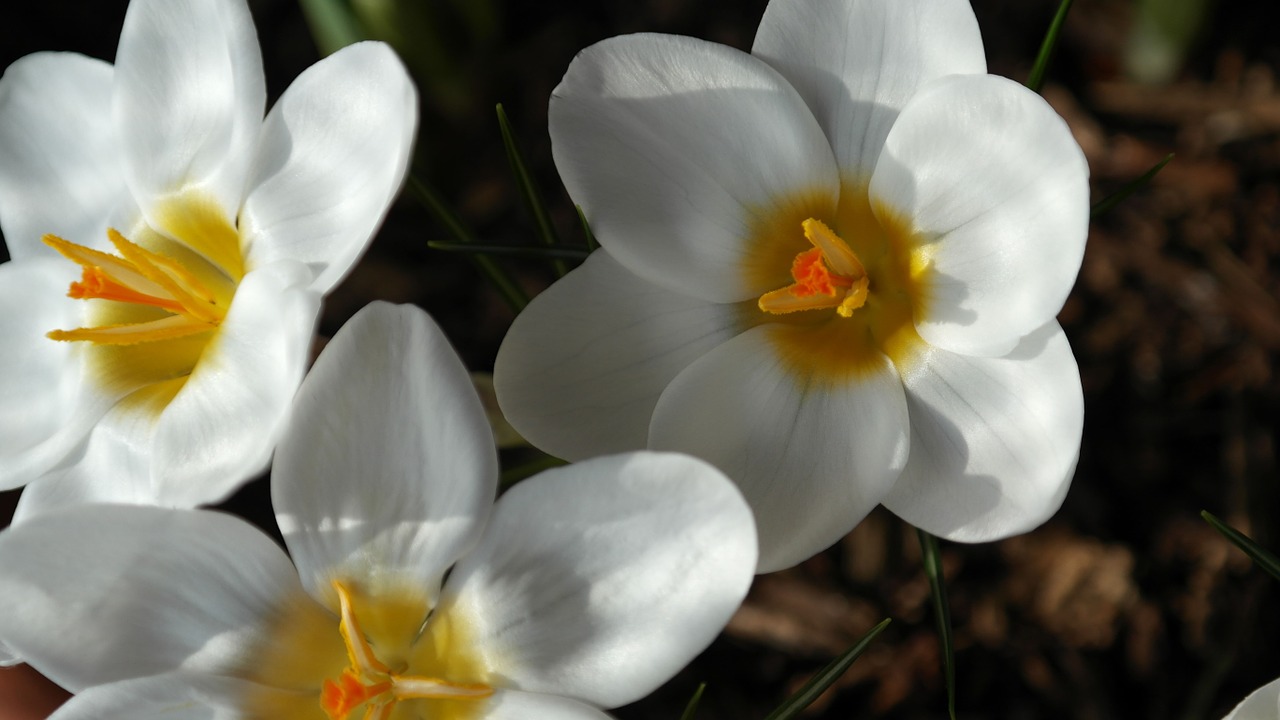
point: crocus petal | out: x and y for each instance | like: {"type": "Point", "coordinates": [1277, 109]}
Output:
{"type": "Point", "coordinates": [581, 368]}
{"type": "Point", "coordinates": [189, 99]}
{"type": "Point", "coordinates": [172, 696]}
{"type": "Point", "coordinates": [389, 466]}
{"type": "Point", "coordinates": [332, 156]}
{"type": "Point", "coordinates": [40, 380]}
{"type": "Point", "coordinates": [812, 455]}
{"type": "Point", "coordinates": [676, 148]}
{"type": "Point", "coordinates": [994, 441]}
{"type": "Point", "coordinates": [601, 579]}
{"type": "Point", "coordinates": [858, 62]}
{"type": "Point", "coordinates": [221, 427]}
{"type": "Point", "coordinates": [516, 705]}
{"type": "Point", "coordinates": [997, 191]}
{"type": "Point", "coordinates": [101, 593]}
{"type": "Point", "coordinates": [59, 162]}
{"type": "Point", "coordinates": [1262, 704]}
{"type": "Point", "coordinates": [113, 466]}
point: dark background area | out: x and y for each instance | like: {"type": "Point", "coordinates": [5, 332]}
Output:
{"type": "Point", "coordinates": [1126, 604]}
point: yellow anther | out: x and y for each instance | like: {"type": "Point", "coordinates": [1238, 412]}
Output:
{"type": "Point", "coordinates": [138, 277]}
{"type": "Point", "coordinates": [829, 275]}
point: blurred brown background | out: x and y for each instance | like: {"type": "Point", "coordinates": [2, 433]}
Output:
{"type": "Point", "coordinates": [1126, 605]}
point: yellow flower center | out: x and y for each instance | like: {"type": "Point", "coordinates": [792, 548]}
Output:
{"type": "Point", "coordinates": [828, 275]}
{"type": "Point", "coordinates": [156, 304]}
{"type": "Point", "coordinates": [864, 263]}
{"type": "Point", "coordinates": [368, 683]}
{"type": "Point", "coordinates": [383, 662]}
{"type": "Point", "coordinates": [140, 277]}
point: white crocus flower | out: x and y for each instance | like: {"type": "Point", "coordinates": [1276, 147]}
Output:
{"type": "Point", "coordinates": [1262, 704]}
{"type": "Point", "coordinates": [831, 267]}
{"type": "Point", "coordinates": [170, 247]}
{"type": "Point", "coordinates": [582, 588]}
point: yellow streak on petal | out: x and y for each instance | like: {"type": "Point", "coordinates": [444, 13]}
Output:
{"type": "Point", "coordinates": [195, 219]}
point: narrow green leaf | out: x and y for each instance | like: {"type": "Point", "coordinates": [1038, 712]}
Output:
{"type": "Point", "coordinates": [528, 189]}
{"type": "Point", "coordinates": [692, 708]}
{"type": "Point", "coordinates": [1035, 79]}
{"type": "Point", "coordinates": [941, 611]}
{"type": "Point", "coordinates": [511, 476]}
{"type": "Point", "coordinates": [825, 677]}
{"type": "Point", "coordinates": [1109, 202]}
{"type": "Point", "coordinates": [333, 24]}
{"type": "Point", "coordinates": [503, 282]}
{"type": "Point", "coordinates": [1256, 552]}
{"type": "Point", "coordinates": [586, 229]}
{"type": "Point", "coordinates": [540, 252]}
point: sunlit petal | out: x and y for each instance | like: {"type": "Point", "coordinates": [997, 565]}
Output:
{"type": "Point", "coordinates": [812, 455]}
{"type": "Point", "coordinates": [676, 149]}
{"type": "Point", "coordinates": [601, 579]}
{"type": "Point", "coordinates": [581, 369]}
{"type": "Point", "coordinates": [994, 441]}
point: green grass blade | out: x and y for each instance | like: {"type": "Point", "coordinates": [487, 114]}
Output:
{"type": "Point", "coordinates": [528, 189]}
{"type": "Point", "coordinates": [1256, 552]}
{"type": "Point", "coordinates": [558, 252]}
{"type": "Point", "coordinates": [825, 677]}
{"type": "Point", "coordinates": [1035, 80]}
{"type": "Point", "coordinates": [941, 612]}
{"type": "Point", "coordinates": [586, 229]}
{"type": "Point", "coordinates": [333, 24]}
{"type": "Point", "coordinates": [1109, 202]}
{"type": "Point", "coordinates": [692, 708]}
{"type": "Point", "coordinates": [502, 282]}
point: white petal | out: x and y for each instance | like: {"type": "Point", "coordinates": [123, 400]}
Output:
{"type": "Point", "coordinates": [997, 191]}
{"type": "Point", "coordinates": [581, 369]}
{"type": "Point", "coordinates": [858, 62]}
{"type": "Point", "coordinates": [516, 705]}
{"type": "Point", "coordinates": [172, 696]}
{"type": "Point", "coordinates": [220, 429]}
{"type": "Point", "coordinates": [812, 455]}
{"type": "Point", "coordinates": [51, 395]}
{"type": "Point", "coordinates": [332, 156]}
{"type": "Point", "coordinates": [189, 98]}
{"type": "Point", "coordinates": [102, 593]}
{"type": "Point", "coordinates": [112, 466]}
{"type": "Point", "coordinates": [59, 158]}
{"type": "Point", "coordinates": [42, 413]}
{"type": "Point", "coordinates": [1262, 704]}
{"type": "Point", "coordinates": [389, 466]}
{"type": "Point", "coordinates": [678, 149]}
{"type": "Point", "coordinates": [601, 579]}
{"type": "Point", "coordinates": [994, 441]}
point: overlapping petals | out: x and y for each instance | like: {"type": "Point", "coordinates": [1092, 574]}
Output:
{"type": "Point", "coordinates": [948, 393]}
{"type": "Point", "coordinates": [675, 147]}
{"type": "Point", "coordinates": [582, 588]}
{"type": "Point", "coordinates": [170, 148]}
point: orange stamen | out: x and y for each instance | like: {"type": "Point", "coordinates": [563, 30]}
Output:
{"type": "Point", "coordinates": [139, 277]}
{"type": "Point", "coordinates": [96, 284]}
